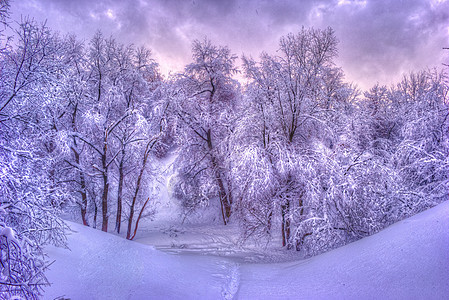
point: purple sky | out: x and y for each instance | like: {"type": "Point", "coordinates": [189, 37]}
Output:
{"type": "Point", "coordinates": [379, 39]}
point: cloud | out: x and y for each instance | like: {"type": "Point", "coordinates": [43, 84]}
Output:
{"type": "Point", "coordinates": [379, 39]}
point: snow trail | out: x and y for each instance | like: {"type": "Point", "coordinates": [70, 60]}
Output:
{"type": "Point", "coordinates": [230, 273]}
{"type": "Point", "coordinates": [408, 260]}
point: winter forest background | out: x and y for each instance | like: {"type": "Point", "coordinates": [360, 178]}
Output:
{"type": "Point", "coordinates": [291, 152]}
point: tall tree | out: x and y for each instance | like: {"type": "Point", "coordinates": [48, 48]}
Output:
{"type": "Point", "coordinates": [30, 149]}
{"type": "Point", "coordinates": [203, 106]}
{"type": "Point", "coordinates": [293, 100]}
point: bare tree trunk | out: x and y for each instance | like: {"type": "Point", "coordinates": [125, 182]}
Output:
{"type": "Point", "coordinates": [286, 222]}
{"type": "Point", "coordinates": [83, 199]}
{"type": "Point", "coordinates": [118, 220]}
{"type": "Point", "coordinates": [95, 213]}
{"type": "Point", "coordinates": [76, 153]}
{"type": "Point", "coordinates": [300, 241]}
{"type": "Point", "coordinates": [287, 232]}
{"type": "Point", "coordinates": [284, 238]}
{"type": "Point", "coordinates": [82, 190]}
{"type": "Point", "coordinates": [225, 199]}
{"type": "Point", "coordinates": [104, 203]}
{"type": "Point", "coordinates": [222, 212]}
{"type": "Point", "coordinates": [269, 222]}
{"type": "Point", "coordinates": [104, 198]}
{"type": "Point", "coordinates": [133, 203]}
{"type": "Point", "coordinates": [131, 216]}
{"type": "Point", "coordinates": [139, 181]}
{"type": "Point", "coordinates": [225, 205]}
{"type": "Point", "coordinates": [138, 218]}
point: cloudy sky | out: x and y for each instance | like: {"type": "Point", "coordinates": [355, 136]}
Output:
{"type": "Point", "coordinates": [379, 39]}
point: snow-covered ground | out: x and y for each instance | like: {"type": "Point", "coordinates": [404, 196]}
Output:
{"type": "Point", "coordinates": [104, 266]}
{"type": "Point", "coordinates": [408, 260]}
{"type": "Point", "coordinates": [202, 232]}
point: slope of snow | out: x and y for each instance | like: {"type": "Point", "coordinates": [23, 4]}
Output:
{"type": "Point", "coordinates": [408, 260]}
{"type": "Point", "coordinates": [104, 266]}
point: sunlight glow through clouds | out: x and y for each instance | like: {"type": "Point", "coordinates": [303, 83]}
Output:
{"type": "Point", "coordinates": [371, 32]}
{"type": "Point", "coordinates": [436, 3]}
{"type": "Point", "coordinates": [316, 14]}
{"type": "Point", "coordinates": [110, 14]}
{"type": "Point", "coordinates": [359, 3]}
{"type": "Point", "coordinates": [93, 15]}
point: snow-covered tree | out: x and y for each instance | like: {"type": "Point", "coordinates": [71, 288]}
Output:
{"type": "Point", "coordinates": [407, 130]}
{"type": "Point", "coordinates": [292, 99]}
{"type": "Point", "coordinates": [111, 104]}
{"type": "Point", "coordinates": [203, 101]}
{"type": "Point", "coordinates": [31, 195]}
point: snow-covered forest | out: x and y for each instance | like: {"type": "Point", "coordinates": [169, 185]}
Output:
{"type": "Point", "coordinates": [279, 146]}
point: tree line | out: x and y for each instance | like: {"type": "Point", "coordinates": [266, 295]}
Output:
{"type": "Point", "coordinates": [295, 153]}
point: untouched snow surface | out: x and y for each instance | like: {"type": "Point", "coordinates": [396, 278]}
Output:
{"type": "Point", "coordinates": [408, 260]}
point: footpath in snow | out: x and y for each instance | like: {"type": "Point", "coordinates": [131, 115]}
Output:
{"type": "Point", "coordinates": [104, 266]}
{"type": "Point", "coordinates": [408, 260]}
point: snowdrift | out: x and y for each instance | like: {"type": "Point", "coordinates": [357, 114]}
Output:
{"type": "Point", "coordinates": [408, 260]}
{"type": "Point", "coordinates": [104, 266]}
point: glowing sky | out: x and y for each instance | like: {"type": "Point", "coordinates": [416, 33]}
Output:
{"type": "Point", "coordinates": [379, 39]}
